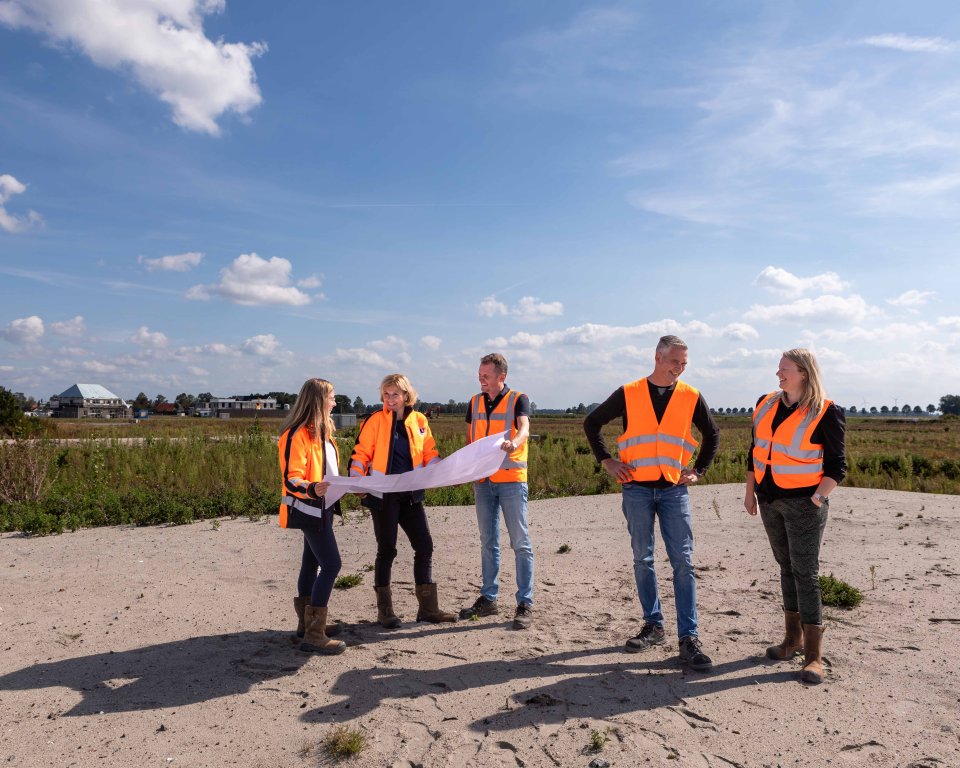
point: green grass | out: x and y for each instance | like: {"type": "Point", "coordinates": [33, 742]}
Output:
{"type": "Point", "coordinates": [839, 594]}
{"type": "Point", "coordinates": [348, 581]}
{"type": "Point", "coordinates": [195, 469]}
{"type": "Point", "coordinates": [598, 739]}
{"type": "Point", "coordinates": [343, 742]}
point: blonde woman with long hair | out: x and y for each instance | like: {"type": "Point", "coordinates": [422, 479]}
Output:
{"type": "Point", "coordinates": [308, 454]}
{"type": "Point", "coordinates": [796, 459]}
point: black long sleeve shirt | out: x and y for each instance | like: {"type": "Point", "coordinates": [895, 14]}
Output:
{"type": "Point", "coordinates": [616, 406]}
{"type": "Point", "coordinates": [830, 432]}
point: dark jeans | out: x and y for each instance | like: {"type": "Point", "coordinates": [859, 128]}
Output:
{"type": "Point", "coordinates": [319, 551]}
{"type": "Point", "coordinates": [399, 510]}
{"type": "Point", "coordinates": [795, 530]}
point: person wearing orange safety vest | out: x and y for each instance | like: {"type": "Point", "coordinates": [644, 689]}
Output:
{"type": "Point", "coordinates": [796, 459]}
{"type": "Point", "coordinates": [657, 445]}
{"type": "Point", "coordinates": [500, 409]}
{"type": "Point", "coordinates": [308, 454]}
{"type": "Point", "coordinates": [394, 440]}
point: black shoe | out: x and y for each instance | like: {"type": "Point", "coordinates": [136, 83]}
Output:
{"type": "Point", "coordinates": [693, 656]}
{"type": "Point", "coordinates": [650, 635]}
{"type": "Point", "coordinates": [523, 618]}
{"type": "Point", "coordinates": [482, 607]}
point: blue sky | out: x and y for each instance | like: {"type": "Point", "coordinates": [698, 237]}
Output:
{"type": "Point", "coordinates": [199, 195]}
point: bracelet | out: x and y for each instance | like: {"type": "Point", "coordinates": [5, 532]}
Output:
{"type": "Point", "coordinates": [819, 497]}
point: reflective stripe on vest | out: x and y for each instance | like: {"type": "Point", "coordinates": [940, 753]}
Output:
{"type": "Point", "coordinates": [790, 454]}
{"type": "Point", "coordinates": [501, 419]}
{"type": "Point", "coordinates": [374, 446]}
{"type": "Point", "coordinates": [655, 449]}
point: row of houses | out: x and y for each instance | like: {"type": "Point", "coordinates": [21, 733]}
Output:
{"type": "Point", "coordinates": [92, 401]}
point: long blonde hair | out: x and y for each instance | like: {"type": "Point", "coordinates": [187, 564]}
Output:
{"type": "Point", "coordinates": [310, 410]}
{"type": "Point", "coordinates": [813, 395]}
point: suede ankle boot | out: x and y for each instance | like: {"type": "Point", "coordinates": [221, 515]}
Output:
{"type": "Point", "coordinates": [315, 639]}
{"type": "Point", "coordinates": [792, 640]}
{"type": "Point", "coordinates": [812, 671]}
{"type": "Point", "coordinates": [385, 615]}
{"type": "Point", "coordinates": [429, 606]}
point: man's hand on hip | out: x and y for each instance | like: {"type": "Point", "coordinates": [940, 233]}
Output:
{"type": "Point", "coordinates": [618, 470]}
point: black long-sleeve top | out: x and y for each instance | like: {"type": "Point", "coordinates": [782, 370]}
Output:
{"type": "Point", "coordinates": [830, 432]}
{"type": "Point", "coordinates": [616, 406]}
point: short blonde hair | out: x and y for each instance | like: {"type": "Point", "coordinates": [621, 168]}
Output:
{"type": "Point", "coordinates": [813, 396]}
{"type": "Point", "coordinates": [402, 383]}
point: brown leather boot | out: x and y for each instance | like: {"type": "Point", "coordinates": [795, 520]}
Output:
{"type": "Point", "coordinates": [429, 607]}
{"type": "Point", "coordinates": [315, 639]}
{"type": "Point", "coordinates": [792, 641]}
{"type": "Point", "coordinates": [299, 603]}
{"type": "Point", "coordinates": [812, 671]}
{"type": "Point", "coordinates": [385, 615]}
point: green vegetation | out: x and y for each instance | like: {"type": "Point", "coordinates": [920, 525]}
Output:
{"type": "Point", "coordinates": [564, 548]}
{"type": "Point", "coordinates": [598, 739]}
{"type": "Point", "coordinates": [348, 580]}
{"type": "Point", "coordinates": [839, 594]}
{"type": "Point", "coordinates": [344, 742]}
{"type": "Point", "coordinates": [181, 470]}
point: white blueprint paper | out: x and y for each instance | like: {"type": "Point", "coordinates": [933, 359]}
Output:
{"type": "Point", "coordinates": [472, 462]}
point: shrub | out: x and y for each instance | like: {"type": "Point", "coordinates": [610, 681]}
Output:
{"type": "Point", "coordinates": [349, 580]}
{"type": "Point", "coordinates": [839, 594]}
{"type": "Point", "coordinates": [344, 742]}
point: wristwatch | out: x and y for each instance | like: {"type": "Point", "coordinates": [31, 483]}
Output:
{"type": "Point", "coordinates": [819, 497]}
{"type": "Point", "coordinates": [700, 472]}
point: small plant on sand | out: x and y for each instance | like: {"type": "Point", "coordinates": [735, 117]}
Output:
{"type": "Point", "coordinates": [344, 742]}
{"type": "Point", "coordinates": [838, 593]}
{"type": "Point", "coordinates": [305, 749]}
{"type": "Point", "coordinates": [214, 525]}
{"type": "Point", "coordinates": [348, 581]}
{"type": "Point", "coordinates": [599, 739]}
{"type": "Point", "coordinates": [873, 577]}
{"type": "Point", "coordinates": [564, 548]}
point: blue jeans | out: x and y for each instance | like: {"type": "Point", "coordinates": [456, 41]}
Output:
{"type": "Point", "coordinates": [672, 505]}
{"type": "Point", "coordinates": [512, 499]}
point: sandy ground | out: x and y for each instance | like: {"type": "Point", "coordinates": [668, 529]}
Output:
{"type": "Point", "coordinates": [170, 647]}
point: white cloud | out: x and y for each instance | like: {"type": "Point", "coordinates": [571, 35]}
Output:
{"type": "Point", "coordinates": [431, 342]}
{"type": "Point", "coordinates": [490, 307]}
{"type": "Point", "coordinates": [161, 43]}
{"type": "Point", "coordinates": [182, 262]}
{"type": "Point", "coordinates": [361, 356]}
{"type": "Point", "coordinates": [264, 344]}
{"type": "Point", "coordinates": [911, 298]}
{"type": "Point", "coordinates": [739, 332]}
{"type": "Point", "coordinates": [595, 334]}
{"type": "Point", "coordinates": [790, 285]}
{"type": "Point", "coordinates": [9, 186]}
{"type": "Point", "coordinates": [951, 323]}
{"type": "Point", "coordinates": [98, 366]}
{"type": "Point", "coordinates": [388, 344]}
{"type": "Point", "coordinates": [528, 309]}
{"type": "Point", "coordinates": [24, 331]}
{"type": "Point", "coordinates": [909, 44]}
{"type": "Point", "coordinates": [75, 328]}
{"type": "Point", "coordinates": [148, 339]}
{"type": "Point", "coordinates": [822, 309]}
{"type": "Point", "coordinates": [196, 371]}
{"type": "Point", "coordinates": [251, 280]}
{"type": "Point", "coordinates": [893, 333]}
{"type": "Point", "coordinates": [310, 282]}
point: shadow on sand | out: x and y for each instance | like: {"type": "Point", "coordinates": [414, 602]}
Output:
{"type": "Point", "coordinates": [166, 675]}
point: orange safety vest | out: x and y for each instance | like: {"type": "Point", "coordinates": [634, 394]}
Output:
{"type": "Point", "coordinates": [654, 449]}
{"type": "Point", "coordinates": [301, 463]}
{"type": "Point", "coordinates": [372, 452]}
{"type": "Point", "coordinates": [795, 461]}
{"type": "Point", "coordinates": [501, 419]}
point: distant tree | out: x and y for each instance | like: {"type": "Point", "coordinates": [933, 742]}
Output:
{"type": "Point", "coordinates": [451, 406]}
{"type": "Point", "coordinates": [873, 409]}
{"type": "Point", "coordinates": [905, 408]}
{"type": "Point", "coordinates": [358, 405]}
{"type": "Point", "coordinates": [11, 414]}
{"type": "Point", "coordinates": [750, 409]}
{"type": "Point", "coordinates": [852, 409]}
{"type": "Point", "coordinates": [283, 398]}
{"type": "Point", "coordinates": [581, 408]}
{"type": "Point", "coordinates": [895, 409]}
{"type": "Point", "coordinates": [141, 401]}
{"type": "Point", "coordinates": [343, 404]}
{"type": "Point", "coordinates": [204, 397]}
{"type": "Point", "coordinates": [533, 407]}
{"type": "Point", "coordinates": [917, 409]}
{"type": "Point", "coordinates": [931, 408]}
{"type": "Point", "coordinates": [950, 404]}
{"type": "Point", "coordinates": [185, 401]}
{"type": "Point", "coordinates": [159, 400]}
{"type": "Point", "coordinates": [884, 409]}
